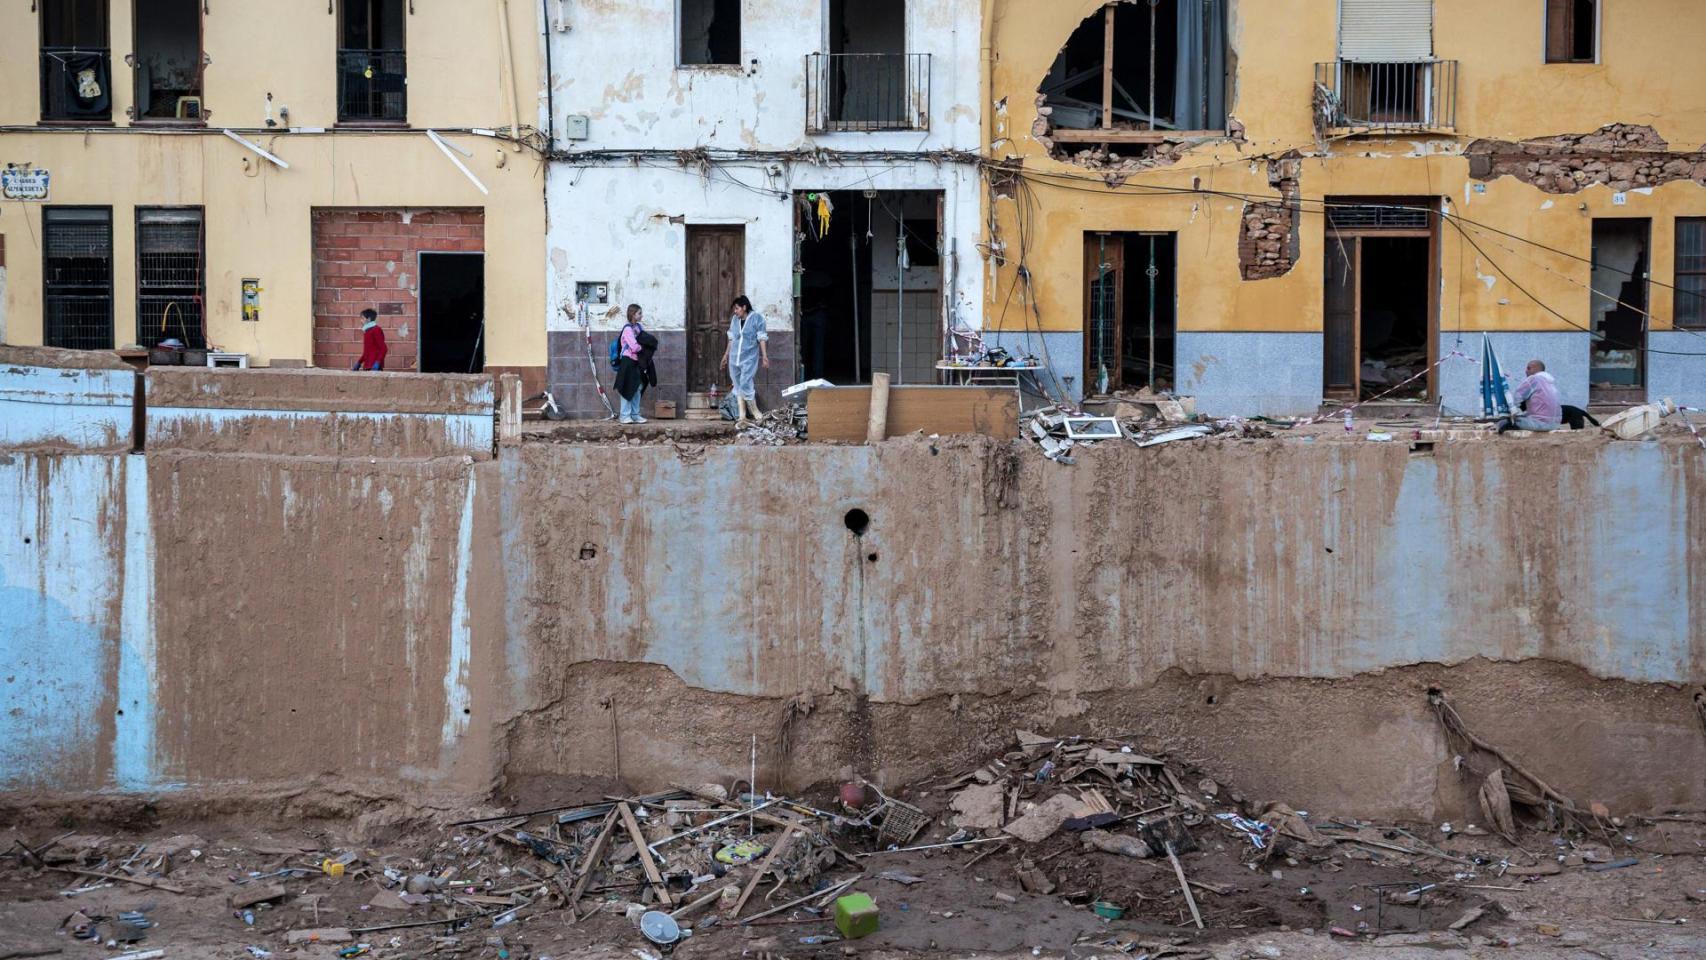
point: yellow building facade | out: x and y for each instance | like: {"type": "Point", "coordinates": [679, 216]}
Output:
{"type": "Point", "coordinates": [1383, 181]}
{"type": "Point", "coordinates": [248, 176]}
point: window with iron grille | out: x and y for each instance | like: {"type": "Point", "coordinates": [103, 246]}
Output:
{"type": "Point", "coordinates": [373, 78]}
{"type": "Point", "coordinates": [76, 67]}
{"type": "Point", "coordinates": [77, 277]}
{"type": "Point", "coordinates": [170, 276]}
{"type": "Point", "coordinates": [1691, 272]}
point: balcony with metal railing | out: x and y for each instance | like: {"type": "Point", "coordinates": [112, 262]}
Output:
{"type": "Point", "coordinates": [76, 84]}
{"type": "Point", "coordinates": [373, 86]}
{"type": "Point", "coordinates": [867, 92]}
{"type": "Point", "coordinates": [1397, 96]}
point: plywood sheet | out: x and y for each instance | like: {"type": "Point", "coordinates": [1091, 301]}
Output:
{"type": "Point", "coordinates": [842, 413]}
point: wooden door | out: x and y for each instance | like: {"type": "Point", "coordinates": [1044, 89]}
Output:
{"type": "Point", "coordinates": [716, 274]}
{"type": "Point", "coordinates": [1104, 310]}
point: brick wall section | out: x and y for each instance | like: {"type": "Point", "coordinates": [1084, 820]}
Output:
{"type": "Point", "coordinates": [367, 258]}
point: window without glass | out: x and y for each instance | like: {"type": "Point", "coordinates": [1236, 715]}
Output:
{"type": "Point", "coordinates": [77, 277]}
{"type": "Point", "coordinates": [1691, 272]}
{"type": "Point", "coordinates": [76, 66]}
{"type": "Point", "coordinates": [170, 276]}
{"type": "Point", "coordinates": [167, 59]}
{"type": "Point", "coordinates": [372, 68]}
{"type": "Point", "coordinates": [710, 32]}
{"type": "Point", "coordinates": [1142, 67]}
{"type": "Point", "coordinates": [1572, 31]}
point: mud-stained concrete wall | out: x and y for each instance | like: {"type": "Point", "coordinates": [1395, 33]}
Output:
{"type": "Point", "coordinates": [1281, 608]}
{"type": "Point", "coordinates": [238, 620]}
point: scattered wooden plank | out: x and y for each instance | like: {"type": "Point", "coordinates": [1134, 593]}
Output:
{"type": "Point", "coordinates": [832, 891]}
{"type": "Point", "coordinates": [249, 896]}
{"type": "Point", "coordinates": [843, 413]}
{"type": "Point", "coordinates": [763, 868]}
{"type": "Point", "coordinates": [122, 878]}
{"type": "Point", "coordinates": [593, 857]}
{"type": "Point", "coordinates": [645, 852]}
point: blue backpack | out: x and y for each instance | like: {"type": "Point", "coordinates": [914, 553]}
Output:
{"type": "Point", "coordinates": [616, 349]}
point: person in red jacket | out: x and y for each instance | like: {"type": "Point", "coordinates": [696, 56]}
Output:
{"type": "Point", "coordinates": [372, 342]}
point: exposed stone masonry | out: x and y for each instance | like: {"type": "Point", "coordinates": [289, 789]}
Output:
{"type": "Point", "coordinates": [1620, 156]}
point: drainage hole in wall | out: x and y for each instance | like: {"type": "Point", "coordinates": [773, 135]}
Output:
{"type": "Point", "coordinates": [26, 539]}
{"type": "Point", "coordinates": [870, 558]}
{"type": "Point", "coordinates": [466, 711]}
{"type": "Point", "coordinates": [121, 711]}
{"type": "Point", "coordinates": [1212, 700]}
{"type": "Point", "coordinates": [857, 521]}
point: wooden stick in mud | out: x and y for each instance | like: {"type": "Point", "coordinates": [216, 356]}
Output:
{"type": "Point", "coordinates": [1184, 885]}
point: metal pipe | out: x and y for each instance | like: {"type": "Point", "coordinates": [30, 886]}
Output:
{"type": "Point", "coordinates": [506, 64]}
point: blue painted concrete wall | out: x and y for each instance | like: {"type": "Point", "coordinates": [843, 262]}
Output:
{"type": "Point", "coordinates": [1245, 374]}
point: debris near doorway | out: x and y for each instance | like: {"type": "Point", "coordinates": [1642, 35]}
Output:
{"type": "Point", "coordinates": [1146, 421]}
{"type": "Point", "coordinates": [783, 425]}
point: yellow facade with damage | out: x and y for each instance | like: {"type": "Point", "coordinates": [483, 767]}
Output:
{"type": "Point", "coordinates": [260, 57]}
{"type": "Point", "coordinates": [1649, 72]}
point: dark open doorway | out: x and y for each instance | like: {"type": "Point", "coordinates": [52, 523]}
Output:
{"type": "Point", "coordinates": [1130, 313]}
{"type": "Point", "coordinates": [453, 312]}
{"type": "Point", "coordinates": [1380, 334]}
{"type": "Point", "coordinates": [1617, 361]}
{"type": "Point", "coordinates": [870, 284]}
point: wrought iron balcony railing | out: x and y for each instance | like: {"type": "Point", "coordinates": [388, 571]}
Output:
{"type": "Point", "coordinates": [372, 86]}
{"type": "Point", "coordinates": [867, 92]}
{"type": "Point", "coordinates": [1398, 95]}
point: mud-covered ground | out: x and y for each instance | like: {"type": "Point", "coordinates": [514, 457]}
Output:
{"type": "Point", "coordinates": [1304, 903]}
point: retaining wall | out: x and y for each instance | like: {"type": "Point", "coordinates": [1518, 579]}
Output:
{"type": "Point", "coordinates": [280, 593]}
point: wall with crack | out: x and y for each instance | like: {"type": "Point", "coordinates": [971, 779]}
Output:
{"type": "Point", "coordinates": [1538, 151]}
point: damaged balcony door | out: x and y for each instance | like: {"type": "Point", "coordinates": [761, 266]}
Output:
{"type": "Point", "coordinates": [168, 60]}
{"type": "Point", "coordinates": [716, 274]}
{"type": "Point", "coordinates": [1380, 317]}
{"type": "Point", "coordinates": [1130, 311]}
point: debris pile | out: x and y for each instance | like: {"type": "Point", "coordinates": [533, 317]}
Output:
{"type": "Point", "coordinates": [1131, 850]}
{"type": "Point", "coordinates": [1144, 419]}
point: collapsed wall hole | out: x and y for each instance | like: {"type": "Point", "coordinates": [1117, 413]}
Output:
{"type": "Point", "coordinates": [1133, 76]}
{"type": "Point", "coordinates": [857, 521]}
{"type": "Point", "coordinates": [589, 551]}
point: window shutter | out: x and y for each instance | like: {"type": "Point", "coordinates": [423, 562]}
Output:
{"type": "Point", "coordinates": [1386, 30]}
{"type": "Point", "coordinates": [1560, 39]}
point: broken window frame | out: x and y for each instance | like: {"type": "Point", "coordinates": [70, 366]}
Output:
{"type": "Point", "coordinates": [91, 291]}
{"type": "Point", "coordinates": [681, 61]}
{"type": "Point", "coordinates": [136, 67]}
{"type": "Point", "coordinates": [1106, 132]}
{"type": "Point", "coordinates": [363, 72]}
{"type": "Point", "coordinates": [58, 81]}
{"type": "Point", "coordinates": [1564, 14]}
{"type": "Point", "coordinates": [171, 288]}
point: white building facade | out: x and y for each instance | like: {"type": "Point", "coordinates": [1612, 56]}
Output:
{"type": "Point", "coordinates": [817, 156]}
